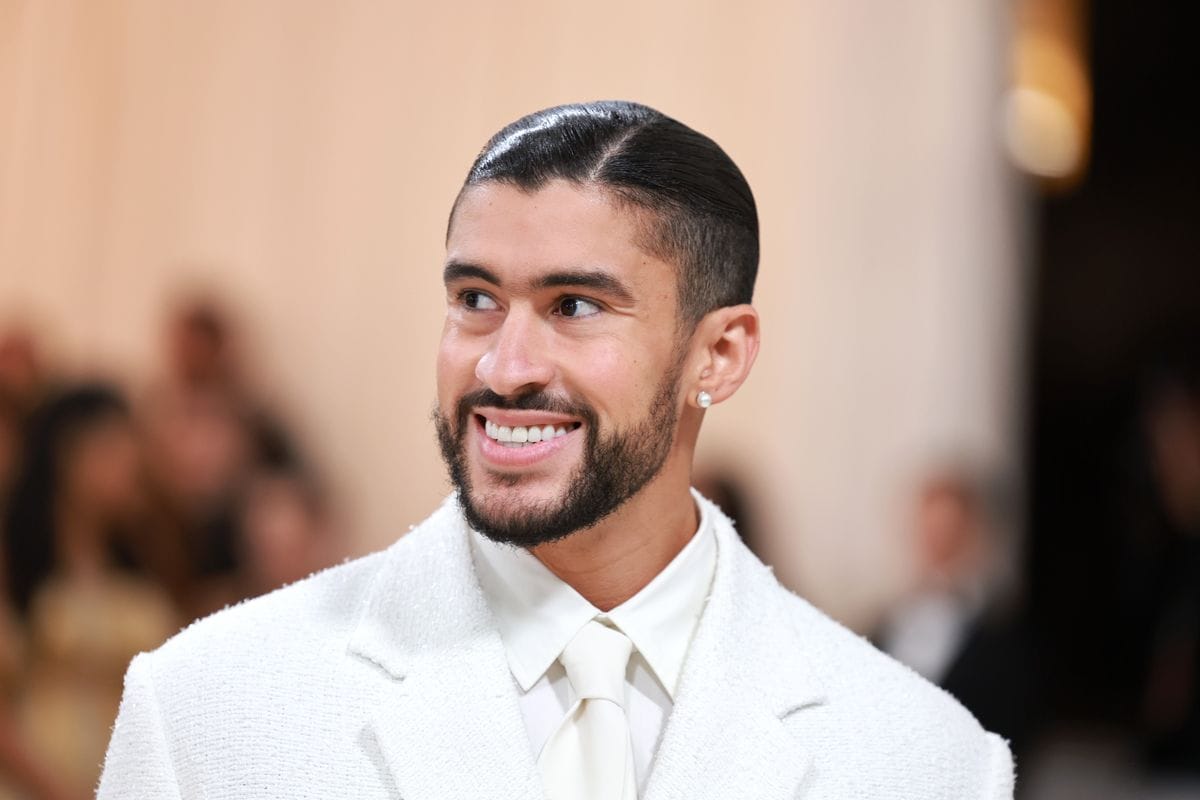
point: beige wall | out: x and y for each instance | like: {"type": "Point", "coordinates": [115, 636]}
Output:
{"type": "Point", "coordinates": [301, 156]}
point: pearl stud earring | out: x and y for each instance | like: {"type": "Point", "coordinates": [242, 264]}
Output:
{"type": "Point", "coordinates": [704, 399]}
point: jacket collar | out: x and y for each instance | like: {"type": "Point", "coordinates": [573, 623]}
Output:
{"type": "Point", "coordinates": [538, 614]}
{"type": "Point", "coordinates": [448, 722]}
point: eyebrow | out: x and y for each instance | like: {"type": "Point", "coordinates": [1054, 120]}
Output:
{"type": "Point", "coordinates": [458, 270]}
{"type": "Point", "coordinates": [589, 279]}
{"type": "Point", "coordinates": [597, 280]}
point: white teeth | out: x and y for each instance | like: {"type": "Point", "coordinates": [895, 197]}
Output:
{"type": "Point", "coordinates": [522, 434]}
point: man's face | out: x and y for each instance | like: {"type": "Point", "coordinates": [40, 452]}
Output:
{"type": "Point", "coordinates": [559, 362]}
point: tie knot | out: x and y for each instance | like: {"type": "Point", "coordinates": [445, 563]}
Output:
{"type": "Point", "coordinates": [595, 661]}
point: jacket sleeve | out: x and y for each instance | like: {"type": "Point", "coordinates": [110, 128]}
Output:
{"type": "Point", "coordinates": [1002, 776]}
{"type": "Point", "coordinates": [138, 764]}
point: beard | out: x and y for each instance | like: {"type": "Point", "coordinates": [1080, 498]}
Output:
{"type": "Point", "coordinates": [613, 469]}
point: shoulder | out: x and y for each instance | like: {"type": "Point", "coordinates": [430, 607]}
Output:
{"type": "Point", "coordinates": [321, 607]}
{"type": "Point", "coordinates": [851, 668]}
{"type": "Point", "coordinates": [893, 723]}
{"type": "Point", "coordinates": [307, 624]}
{"type": "Point", "coordinates": [882, 729]}
{"type": "Point", "coordinates": [264, 684]}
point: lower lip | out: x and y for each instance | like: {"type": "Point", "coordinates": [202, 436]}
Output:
{"type": "Point", "coordinates": [514, 457]}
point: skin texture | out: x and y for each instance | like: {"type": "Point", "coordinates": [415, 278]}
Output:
{"type": "Point", "coordinates": [517, 265]}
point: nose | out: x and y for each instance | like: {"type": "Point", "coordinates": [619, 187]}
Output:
{"type": "Point", "coordinates": [517, 360]}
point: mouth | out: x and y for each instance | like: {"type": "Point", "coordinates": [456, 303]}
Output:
{"type": "Point", "coordinates": [505, 431]}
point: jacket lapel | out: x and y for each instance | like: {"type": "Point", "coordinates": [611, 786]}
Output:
{"type": "Point", "coordinates": [447, 721]}
{"type": "Point", "coordinates": [746, 672]}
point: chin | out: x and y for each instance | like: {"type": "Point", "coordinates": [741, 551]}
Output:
{"type": "Point", "coordinates": [505, 494]}
{"type": "Point", "coordinates": [524, 514]}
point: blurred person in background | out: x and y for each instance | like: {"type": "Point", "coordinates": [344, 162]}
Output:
{"type": "Point", "coordinates": [960, 624]}
{"type": "Point", "coordinates": [21, 774]}
{"type": "Point", "coordinates": [204, 432]}
{"type": "Point", "coordinates": [16, 766]}
{"type": "Point", "coordinates": [287, 527]}
{"type": "Point", "coordinates": [1162, 574]}
{"type": "Point", "coordinates": [72, 556]}
{"type": "Point", "coordinates": [23, 377]}
{"type": "Point", "coordinates": [12, 433]}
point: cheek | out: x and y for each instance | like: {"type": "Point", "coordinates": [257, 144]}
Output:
{"type": "Point", "coordinates": [456, 362]}
{"type": "Point", "coordinates": [617, 379]}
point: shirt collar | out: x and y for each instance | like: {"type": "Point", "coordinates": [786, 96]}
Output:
{"type": "Point", "coordinates": [538, 614]}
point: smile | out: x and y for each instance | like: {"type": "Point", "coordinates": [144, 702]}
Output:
{"type": "Point", "coordinates": [519, 436]}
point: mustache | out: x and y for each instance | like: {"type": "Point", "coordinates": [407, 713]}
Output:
{"type": "Point", "coordinates": [533, 401]}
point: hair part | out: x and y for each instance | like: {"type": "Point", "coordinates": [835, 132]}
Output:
{"type": "Point", "coordinates": [701, 214]}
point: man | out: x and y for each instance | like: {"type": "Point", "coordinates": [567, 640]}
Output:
{"type": "Point", "coordinates": [573, 623]}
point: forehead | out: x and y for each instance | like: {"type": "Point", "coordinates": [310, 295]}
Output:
{"type": "Point", "coordinates": [561, 225]}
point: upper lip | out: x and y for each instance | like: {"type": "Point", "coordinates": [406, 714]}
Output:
{"type": "Point", "coordinates": [515, 418]}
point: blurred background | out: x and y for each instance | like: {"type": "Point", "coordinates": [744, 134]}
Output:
{"type": "Point", "coordinates": [973, 432]}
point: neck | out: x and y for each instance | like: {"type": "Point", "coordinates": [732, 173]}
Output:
{"type": "Point", "coordinates": [81, 543]}
{"type": "Point", "coordinates": [613, 560]}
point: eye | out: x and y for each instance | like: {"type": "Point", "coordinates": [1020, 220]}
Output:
{"type": "Point", "coordinates": [577, 307]}
{"type": "Point", "coordinates": [477, 300]}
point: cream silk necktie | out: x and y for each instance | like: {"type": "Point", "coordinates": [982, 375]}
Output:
{"type": "Point", "coordinates": [589, 756]}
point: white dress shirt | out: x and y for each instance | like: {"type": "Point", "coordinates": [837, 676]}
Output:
{"type": "Point", "coordinates": [538, 614]}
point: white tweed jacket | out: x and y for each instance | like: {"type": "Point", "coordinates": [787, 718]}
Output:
{"type": "Point", "coordinates": [385, 678]}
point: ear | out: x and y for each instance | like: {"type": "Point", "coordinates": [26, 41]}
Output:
{"type": "Point", "coordinates": [724, 347]}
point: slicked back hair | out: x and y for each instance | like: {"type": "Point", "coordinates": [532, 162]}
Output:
{"type": "Point", "coordinates": [702, 216]}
